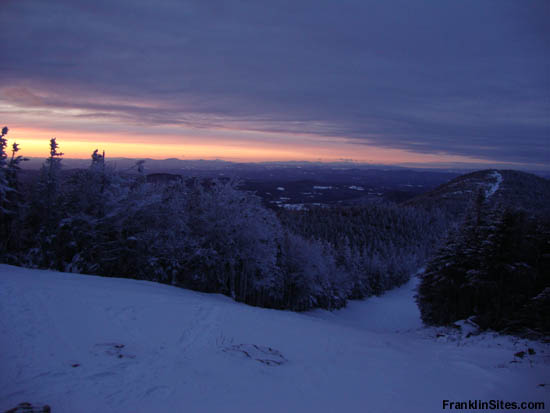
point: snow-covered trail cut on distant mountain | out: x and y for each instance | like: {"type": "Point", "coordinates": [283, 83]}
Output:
{"type": "Point", "coordinates": [493, 187]}
{"type": "Point", "coordinates": [89, 344]}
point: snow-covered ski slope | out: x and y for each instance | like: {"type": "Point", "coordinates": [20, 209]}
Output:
{"type": "Point", "coordinates": [89, 344]}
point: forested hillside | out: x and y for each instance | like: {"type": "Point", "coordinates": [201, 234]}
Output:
{"type": "Point", "coordinates": [512, 189]}
{"type": "Point", "coordinates": [379, 245]}
{"type": "Point", "coordinates": [495, 268]}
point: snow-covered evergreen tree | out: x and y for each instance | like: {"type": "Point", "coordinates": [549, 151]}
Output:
{"type": "Point", "coordinates": [237, 242]}
{"type": "Point", "coordinates": [311, 276]}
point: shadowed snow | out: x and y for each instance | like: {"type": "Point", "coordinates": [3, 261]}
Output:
{"type": "Point", "coordinates": [89, 344]}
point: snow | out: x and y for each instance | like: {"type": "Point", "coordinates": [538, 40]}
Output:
{"type": "Point", "coordinates": [294, 207]}
{"type": "Point", "coordinates": [357, 188]}
{"type": "Point", "coordinates": [322, 187]}
{"type": "Point", "coordinates": [493, 187]}
{"type": "Point", "coordinates": [280, 188]}
{"type": "Point", "coordinates": [393, 312]}
{"type": "Point", "coordinates": [88, 344]}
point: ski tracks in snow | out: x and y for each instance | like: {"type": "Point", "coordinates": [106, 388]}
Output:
{"type": "Point", "coordinates": [166, 354]}
{"type": "Point", "coordinates": [99, 340]}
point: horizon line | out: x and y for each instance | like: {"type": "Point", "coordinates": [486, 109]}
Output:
{"type": "Point", "coordinates": [464, 166]}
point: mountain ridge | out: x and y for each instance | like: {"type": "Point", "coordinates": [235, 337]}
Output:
{"type": "Point", "coordinates": [503, 188]}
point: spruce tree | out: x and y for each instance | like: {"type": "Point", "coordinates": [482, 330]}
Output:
{"type": "Point", "coordinates": [45, 212]}
{"type": "Point", "coordinates": [51, 178]}
{"type": "Point", "coordinates": [10, 197]}
{"type": "Point", "coordinates": [4, 193]}
{"type": "Point", "coordinates": [4, 187]}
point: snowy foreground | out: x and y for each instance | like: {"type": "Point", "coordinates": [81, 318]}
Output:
{"type": "Point", "coordinates": [90, 344]}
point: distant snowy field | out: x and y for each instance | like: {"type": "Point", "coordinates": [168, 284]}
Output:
{"type": "Point", "coordinates": [90, 344]}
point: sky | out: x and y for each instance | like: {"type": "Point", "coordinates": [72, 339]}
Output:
{"type": "Point", "coordinates": [417, 82]}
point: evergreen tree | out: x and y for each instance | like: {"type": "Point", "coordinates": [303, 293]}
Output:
{"type": "Point", "coordinates": [45, 213]}
{"type": "Point", "coordinates": [5, 190]}
{"type": "Point", "coordinates": [51, 179]}
{"type": "Point", "coordinates": [4, 187]}
{"type": "Point", "coordinates": [10, 197]}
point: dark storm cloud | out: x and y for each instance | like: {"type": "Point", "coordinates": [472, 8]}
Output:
{"type": "Point", "coordinates": [469, 77]}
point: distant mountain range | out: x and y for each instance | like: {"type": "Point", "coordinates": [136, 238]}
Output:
{"type": "Point", "coordinates": [162, 165]}
{"type": "Point", "coordinates": [175, 165]}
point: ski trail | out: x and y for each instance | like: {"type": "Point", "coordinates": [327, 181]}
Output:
{"type": "Point", "coordinates": [494, 186]}
{"type": "Point", "coordinates": [394, 311]}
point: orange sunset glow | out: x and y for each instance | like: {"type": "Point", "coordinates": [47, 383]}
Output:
{"type": "Point", "coordinates": [74, 144]}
